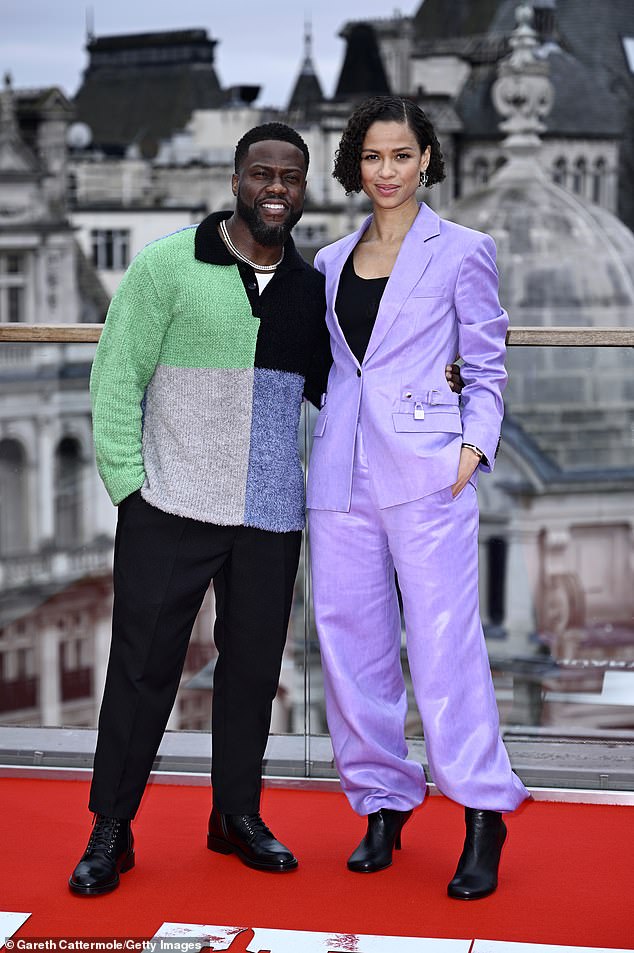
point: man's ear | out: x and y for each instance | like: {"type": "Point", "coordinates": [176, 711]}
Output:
{"type": "Point", "coordinates": [234, 183]}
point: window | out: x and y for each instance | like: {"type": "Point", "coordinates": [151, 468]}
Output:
{"type": "Point", "coordinates": [579, 177]}
{"type": "Point", "coordinates": [480, 172]}
{"type": "Point", "coordinates": [598, 180]}
{"type": "Point", "coordinates": [12, 286]}
{"type": "Point", "coordinates": [496, 580]}
{"type": "Point", "coordinates": [13, 499]}
{"type": "Point", "coordinates": [68, 470]}
{"type": "Point", "coordinates": [110, 248]}
{"type": "Point", "coordinates": [560, 172]}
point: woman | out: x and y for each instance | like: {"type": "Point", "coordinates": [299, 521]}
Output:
{"type": "Point", "coordinates": [392, 488]}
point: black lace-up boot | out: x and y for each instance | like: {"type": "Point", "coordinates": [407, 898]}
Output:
{"type": "Point", "coordinates": [477, 872]}
{"type": "Point", "coordinates": [110, 852]}
{"type": "Point", "coordinates": [248, 836]}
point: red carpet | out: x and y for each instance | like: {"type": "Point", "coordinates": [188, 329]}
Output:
{"type": "Point", "coordinates": [567, 873]}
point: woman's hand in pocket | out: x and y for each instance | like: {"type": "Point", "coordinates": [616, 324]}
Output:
{"type": "Point", "coordinates": [469, 460]}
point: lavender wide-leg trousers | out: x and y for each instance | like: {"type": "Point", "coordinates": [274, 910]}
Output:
{"type": "Point", "coordinates": [432, 543]}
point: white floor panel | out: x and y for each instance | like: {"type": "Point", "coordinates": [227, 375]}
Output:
{"type": "Point", "coordinates": [259, 940]}
{"type": "Point", "coordinates": [9, 923]}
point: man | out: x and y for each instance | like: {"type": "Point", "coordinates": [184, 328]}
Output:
{"type": "Point", "coordinates": [196, 391]}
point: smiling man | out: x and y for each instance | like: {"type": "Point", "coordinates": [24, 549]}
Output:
{"type": "Point", "coordinates": [196, 389]}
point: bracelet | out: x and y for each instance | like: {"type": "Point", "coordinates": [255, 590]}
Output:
{"type": "Point", "coordinates": [476, 450]}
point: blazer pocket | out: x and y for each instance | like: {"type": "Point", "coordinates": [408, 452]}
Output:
{"type": "Point", "coordinates": [428, 291]}
{"type": "Point", "coordinates": [320, 425]}
{"type": "Point", "coordinates": [439, 421]}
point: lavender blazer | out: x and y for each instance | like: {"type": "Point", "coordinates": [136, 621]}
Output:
{"type": "Point", "coordinates": [441, 300]}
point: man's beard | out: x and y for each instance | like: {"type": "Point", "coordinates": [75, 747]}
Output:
{"type": "Point", "coordinates": [270, 236]}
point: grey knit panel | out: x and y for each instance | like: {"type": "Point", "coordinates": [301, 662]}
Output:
{"type": "Point", "coordinates": [196, 436]}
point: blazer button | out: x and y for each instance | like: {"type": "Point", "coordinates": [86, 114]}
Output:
{"type": "Point", "coordinates": [358, 372]}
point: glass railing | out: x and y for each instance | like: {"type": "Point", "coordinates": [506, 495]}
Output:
{"type": "Point", "coordinates": [556, 567]}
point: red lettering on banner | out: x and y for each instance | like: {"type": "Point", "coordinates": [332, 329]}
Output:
{"type": "Point", "coordinates": [346, 941]}
{"type": "Point", "coordinates": [240, 944]}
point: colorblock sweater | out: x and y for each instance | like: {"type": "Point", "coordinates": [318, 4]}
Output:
{"type": "Point", "coordinates": [198, 380]}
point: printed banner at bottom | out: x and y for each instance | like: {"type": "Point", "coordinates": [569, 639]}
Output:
{"type": "Point", "coordinates": [261, 940]}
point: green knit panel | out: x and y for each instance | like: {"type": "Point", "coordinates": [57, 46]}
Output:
{"type": "Point", "coordinates": [211, 321]}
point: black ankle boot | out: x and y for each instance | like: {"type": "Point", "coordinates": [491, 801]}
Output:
{"type": "Point", "coordinates": [110, 851]}
{"type": "Point", "coordinates": [383, 835]}
{"type": "Point", "coordinates": [477, 872]}
{"type": "Point", "coordinates": [247, 836]}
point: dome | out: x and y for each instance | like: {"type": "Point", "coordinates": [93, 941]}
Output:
{"type": "Point", "coordinates": [562, 260]}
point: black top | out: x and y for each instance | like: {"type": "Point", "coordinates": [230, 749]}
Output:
{"type": "Point", "coordinates": [357, 305]}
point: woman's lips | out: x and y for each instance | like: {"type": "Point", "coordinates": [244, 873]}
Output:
{"type": "Point", "coordinates": [387, 189]}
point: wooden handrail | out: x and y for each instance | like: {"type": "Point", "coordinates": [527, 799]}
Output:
{"type": "Point", "coordinates": [516, 337]}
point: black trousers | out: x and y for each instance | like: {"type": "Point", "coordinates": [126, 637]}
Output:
{"type": "Point", "coordinates": [163, 565]}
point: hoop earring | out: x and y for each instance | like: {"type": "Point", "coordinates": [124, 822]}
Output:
{"type": "Point", "coordinates": [423, 178]}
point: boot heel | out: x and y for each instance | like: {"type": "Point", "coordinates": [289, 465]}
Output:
{"type": "Point", "coordinates": [218, 845]}
{"type": "Point", "coordinates": [382, 837]}
{"type": "Point", "coordinates": [127, 864]}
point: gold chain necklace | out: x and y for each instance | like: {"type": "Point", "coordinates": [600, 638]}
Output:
{"type": "Point", "coordinates": [224, 234]}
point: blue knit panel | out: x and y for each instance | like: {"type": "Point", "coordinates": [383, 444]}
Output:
{"type": "Point", "coordinates": [275, 481]}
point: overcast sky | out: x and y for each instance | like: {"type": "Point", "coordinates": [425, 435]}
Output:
{"type": "Point", "coordinates": [42, 41]}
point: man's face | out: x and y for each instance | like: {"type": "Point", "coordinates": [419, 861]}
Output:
{"type": "Point", "coordinates": [269, 187]}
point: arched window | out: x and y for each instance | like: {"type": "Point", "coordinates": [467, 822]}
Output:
{"type": "Point", "coordinates": [68, 502]}
{"type": "Point", "coordinates": [14, 536]}
{"type": "Point", "coordinates": [480, 173]}
{"type": "Point", "coordinates": [579, 172]}
{"type": "Point", "coordinates": [560, 172]}
{"type": "Point", "coordinates": [598, 180]}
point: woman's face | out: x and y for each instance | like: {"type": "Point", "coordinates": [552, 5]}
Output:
{"type": "Point", "coordinates": [391, 164]}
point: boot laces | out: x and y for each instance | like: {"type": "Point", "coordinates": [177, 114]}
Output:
{"type": "Point", "coordinates": [104, 834]}
{"type": "Point", "coordinates": [255, 825]}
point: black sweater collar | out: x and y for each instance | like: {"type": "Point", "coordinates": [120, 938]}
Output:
{"type": "Point", "coordinates": [209, 246]}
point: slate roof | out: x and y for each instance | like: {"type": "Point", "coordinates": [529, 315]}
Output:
{"type": "Point", "coordinates": [307, 92]}
{"type": "Point", "coordinates": [139, 89]}
{"type": "Point", "coordinates": [438, 19]}
{"type": "Point", "coordinates": [599, 117]}
{"type": "Point", "coordinates": [362, 72]}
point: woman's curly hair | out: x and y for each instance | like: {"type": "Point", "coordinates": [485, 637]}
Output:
{"type": "Point", "coordinates": [347, 169]}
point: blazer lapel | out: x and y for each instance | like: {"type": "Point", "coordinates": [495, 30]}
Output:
{"type": "Point", "coordinates": [333, 274]}
{"type": "Point", "coordinates": [412, 260]}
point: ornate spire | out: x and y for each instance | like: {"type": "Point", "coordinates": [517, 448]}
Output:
{"type": "Point", "coordinates": [307, 65]}
{"type": "Point", "coordinates": [8, 124]}
{"type": "Point", "coordinates": [523, 93]}
{"type": "Point", "coordinates": [307, 92]}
